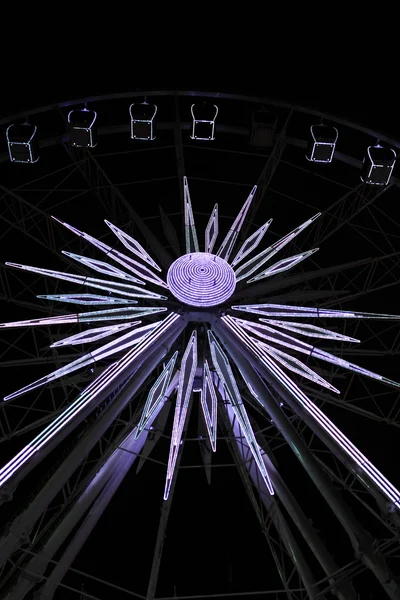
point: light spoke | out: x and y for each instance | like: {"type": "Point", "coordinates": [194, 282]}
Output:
{"type": "Point", "coordinates": [232, 235]}
{"type": "Point", "coordinates": [227, 379]}
{"type": "Point", "coordinates": [126, 261]}
{"type": "Point", "coordinates": [122, 343]}
{"type": "Point", "coordinates": [192, 245]}
{"type": "Point", "coordinates": [211, 233]}
{"type": "Point", "coordinates": [283, 265]}
{"type": "Point", "coordinates": [208, 399]}
{"type": "Point", "coordinates": [185, 388]}
{"type": "Point", "coordinates": [252, 265]}
{"type": "Point", "coordinates": [100, 284]}
{"type": "Point", "coordinates": [113, 314]}
{"type": "Point", "coordinates": [381, 482]}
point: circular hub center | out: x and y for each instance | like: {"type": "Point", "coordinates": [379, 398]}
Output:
{"type": "Point", "coordinates": [201, 279]}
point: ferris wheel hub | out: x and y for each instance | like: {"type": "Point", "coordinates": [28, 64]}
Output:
{"type": "Point", "coordinates": [201, 279]}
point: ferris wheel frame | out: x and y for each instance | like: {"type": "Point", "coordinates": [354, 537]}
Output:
{"type": "Point", "coordinates": [361, 193]}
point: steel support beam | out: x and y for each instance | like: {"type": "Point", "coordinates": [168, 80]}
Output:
{"type": "Point", "coordinates": [119, 461]}
{"type": "Point", "coordinates": [162, 527]}
{"type": "Point", "coordinates": [342, 211]}
{"type": "Point", "coordinates": [117, 206]}
{"type": "Point", "coordinates": [22, 525]}
{"type": "Point", "coordinates": [106, 480]}
{"type": "Point", "coordinates": [249, 473]}
{"type": "Point", "coordinates": [342, 590]}
{"type": "Point", "coordinates": [266, 176]}
{"type": "Point", "coordinates": [362, 542]}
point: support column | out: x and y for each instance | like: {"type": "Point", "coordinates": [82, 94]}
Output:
{"type": "Point", "coordinates": [162, 527]}
{"type": "Point", "coordinates": [39, 563]}
{"type": "Point", "coordinates": [249, 471]}
{"type": "Point", "coordinates": [23, 524]}
{"type": "Point", "coordinates": [123, 463]}
{"type": "Point", "coordinates": [362, 542]}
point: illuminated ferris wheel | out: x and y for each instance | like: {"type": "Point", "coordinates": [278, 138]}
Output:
{"type": "Point", "coordinates": [235, 317]}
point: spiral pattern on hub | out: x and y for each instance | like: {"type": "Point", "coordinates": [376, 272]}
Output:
{"type": "Point", "coordinates": [201, 279]}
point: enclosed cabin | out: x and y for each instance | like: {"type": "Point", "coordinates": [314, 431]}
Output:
{"type": "Point", "coordinates": [321, 143]}
{"type": "Point", "coordinates": [82, 128]}
{"type": "Point", "coordinates": [22, 143]}
{"type": "Point", "coordinates": [203, 121]}
{"type": "Point", "coordinates": [142, 121]}
{"type": "Point", "coordinates": [263, 127]}
{"type": "Point", "coordinates": [378, 165]}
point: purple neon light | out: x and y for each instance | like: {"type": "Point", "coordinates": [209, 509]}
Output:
{"type": "Point", "coordinates": [109, 286]}
{"type": "Point", "coordinates": [132, 245]}
{"type": "Point", "coordinates": [208, 399]}
{"type": "Point", "coordinates": [132, 265]}
{"type": "Point", "coordinates": [185, 387]}
{"type": "Point", "coordinates": [232, 235]}
{"type": "Point", "coordinates": [113, 314]}
{"type": "Point", "coordinates": [93, 335]}
{"type": "Point", "coordinates": [102, 267]}
{"type": "Point", "coordinates": [122, 343]}
{"type": "Point", "coordinates": [283, 339]}
{"type": "Point", "coordinates": [295, 365]}
{"type": "Point", "coordinates": [156, 395]}
{"type": "Point", "coordinates": [192, 244]}
{"type": "Point", "coordinates": [86, 299]}
{"type": "Point", "coordinates": [201, 279]}
{"type": "Point", "coordinates": [381, 482]}
{"type": "Point", "coordinates": [269, 252]}
{"type": "Point", "coordinates": [227, 379]}
{"type": "Point", "coordinates": [305, 312]}
{"type": "Point", "coordinates": [251, 243]}
{"type": "Point", "coordinates": [309, 330]}
{"type": "Point", "coordinates": [211, 232]}
{"type": "Point", "coordinates": [101, 382]}
{"type": "Point", "coordinates": [283, 265]}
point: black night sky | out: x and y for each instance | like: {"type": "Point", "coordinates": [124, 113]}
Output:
{"type": "Point", "coordinates": [213, 542]}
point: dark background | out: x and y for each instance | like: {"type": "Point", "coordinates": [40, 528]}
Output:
{"type": "Point", "coordinates": [213, 534]}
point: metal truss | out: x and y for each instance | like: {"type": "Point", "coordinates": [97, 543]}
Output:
{"type": "Point", "coordinates": [42, 541]}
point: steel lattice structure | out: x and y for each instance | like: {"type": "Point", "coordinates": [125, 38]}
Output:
{"type": "Point", "coordinates": [214, 319]}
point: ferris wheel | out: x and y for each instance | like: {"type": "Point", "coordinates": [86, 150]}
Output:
{"type": "Point", "coordinates": [185, 272]}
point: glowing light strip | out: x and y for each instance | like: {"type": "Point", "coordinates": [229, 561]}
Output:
{"type": "Point", "coordinates": [93, 282]}
{"type": "Point", "coordinates": [251, 390]}
{"type": "Point", "coordinates": [295, 365]}
{"type": "Point", "coordinates": [114, 314]}
{"type": "Point", "coordinates": [211, 225]}
{"type": "Point", "coordinates": [268, 253]}
{"type": "Point", "coordinates": [283, 339]}
{"type": "Point", "coordinates": [192, 245]}
{"type": "Point", "coordinates": [98, 385]}
{"type": "Point", "coordinates": [93, 335]}
{"type": "Point", "coordinates": [283, 265]}
{"type": "Point", "coordinates": [381, 482]}
{"type": "Point", "coordinates": [101, 267]}
{"type": "Point", "coordinates": [122, 259]}
{"type": "Point", "coordinates": [232, 235]}
{"type": "Point", "coordinates": [185, 387]}
{"type": "Point", "coordinates": [132, 245]}
{"type": "Point", "coordinates": [248, 246]}
{"type": "Point", "coordinates": [285, 310]}
{"type": "Point", "coordinates": [122, 343]}
{"type": "Point", "coordinates": [309, 330]}
{"type": "Point", "coordinates": [208, 397]}
{"type": "Point", "coordinates": [86, 299]}
{"type": "Point", "coordinates": [225, 374]}
{"type": "Point", "coordinates": [156, 395]}
{"type": "Point", "coordinates": [201, 279]}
